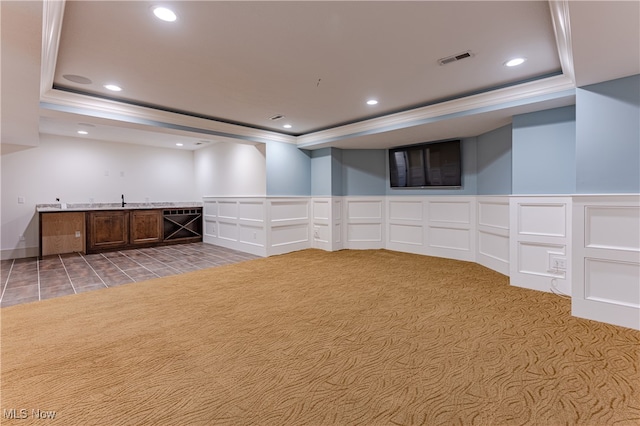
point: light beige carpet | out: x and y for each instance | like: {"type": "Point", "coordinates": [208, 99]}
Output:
{"type": "Point", "coordinates": [317, 338]}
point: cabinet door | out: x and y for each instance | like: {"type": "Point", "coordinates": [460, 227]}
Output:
{"type": "Point", "coordinates": [146, 226]}
{"type": "Point", "coordinates": [62, 233]}
{"type": "Point", "coordinates": [108, 229]}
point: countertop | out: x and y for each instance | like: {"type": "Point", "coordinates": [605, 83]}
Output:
{"type": "Point", "coordinates": [81, 207]}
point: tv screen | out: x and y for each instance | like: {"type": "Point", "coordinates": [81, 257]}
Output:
{"type": "Point", "coordinates": [428, 165]}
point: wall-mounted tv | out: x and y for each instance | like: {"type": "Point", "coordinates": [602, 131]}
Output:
{"type": "Point", "coordinates": [427, 165]}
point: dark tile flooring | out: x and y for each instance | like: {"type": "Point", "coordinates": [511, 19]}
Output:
{"type": "Point", "coordinates": [32, 279]}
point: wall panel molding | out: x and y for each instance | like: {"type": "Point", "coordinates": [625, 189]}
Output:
{"type": "Point", "coordinates": [493, 242]}
{"type": "Point", "coordinates": [263, 226]}
{"type": "Point", "coordinates": [451, 227]}
{"type": "Point", "coordinates": [606, 255]}
{"type": "Point", "coordinates": [540, 231]}
{"type": "Point", "coordinates": [364, 222]}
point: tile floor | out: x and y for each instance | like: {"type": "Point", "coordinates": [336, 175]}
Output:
{"type": "Point", "coordinates": [32, 279]}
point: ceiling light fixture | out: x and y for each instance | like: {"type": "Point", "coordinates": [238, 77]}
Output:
{"type": "Point", "coordinates": [372, 102]}
{"type": "Point", "coordinates": [514, 62]}
{"type": "Point", "coordinates": [287, 126]}
{"type": "Point", "coordinates": [112, 87]}
{"type": "Point", "coordinates": [83, 132]}
{"type": "Point", "coordinates": [164, 14]}
{"type": "Point", "coordinates": [179, 144]}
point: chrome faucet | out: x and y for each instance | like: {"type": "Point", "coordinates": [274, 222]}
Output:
{"type": "Point", "coordinates": [123, 203]}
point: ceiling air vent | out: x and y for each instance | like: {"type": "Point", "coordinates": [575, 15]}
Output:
{"type": "Point", "coordinates": [276, 117]}
{"type": "Point", "coordinates": [455, 58]}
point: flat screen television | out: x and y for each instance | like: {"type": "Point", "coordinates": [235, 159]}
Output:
{"type": "Point", "coordinates": [427, 165]}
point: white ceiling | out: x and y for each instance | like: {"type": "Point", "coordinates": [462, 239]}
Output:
{"type": "Point", "coordinates": [223, 68]}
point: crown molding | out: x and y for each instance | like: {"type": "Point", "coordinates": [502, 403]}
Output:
{"type": "Point", "coordinates": [52, 15]}
{"type": "Point", "coordinates": [562, 28]}
{"type": "Point", "coordinates": [61, 101]}
{"type": "Point", "coordinates": [501, 98]}
{"type": "Point", "coordinates": [53, 11]}
{"type": "Point", "coordinates": [74, 103]}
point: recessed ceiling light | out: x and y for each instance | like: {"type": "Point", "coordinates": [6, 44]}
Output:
{"type": "Point", "coordinates": [164, 14]}
{"type": "Point", "coordinates": [372, 102]}
{"type": "Point", "coordinates": [179, 144]}
{"type": "Point", "coordinates": [515, 62]}
{"type": "Point", "coordinates": [83, 132]}
{"type": "Point", "coordinates": [287, 126]}
{"type": "Point", "coordinates": [113, 87]}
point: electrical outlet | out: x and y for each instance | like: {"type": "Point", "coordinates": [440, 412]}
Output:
{"type": "Point", "coordinates": [78, 234]}
{"type": "Point", "coordinates": [20, 200]}
{"type": "Point", "coordinates": [557, 263]}
{"type": "Point", "coordinates": [316, 233]}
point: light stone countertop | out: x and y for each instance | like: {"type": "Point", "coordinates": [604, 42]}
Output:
{"type": "Point", "coordinates": [79, 207]}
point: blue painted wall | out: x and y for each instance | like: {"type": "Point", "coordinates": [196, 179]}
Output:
{"type": "Point", "coordinates": [321, 172]}
{"type": "Point", "coordinates": [326, 172]}
{"type": "Point", "coordinates": [608, 137]}
{"type": "Point", "coordinates": [544, 153]}
{"type": "Point", "coordinates": [593, 147]}
{"type": "Point", "coordinates": [336, 172]}
{"type": "Point", "coordinates": [288, 170]}
{"type": "Point", "coordinates": [494, 162]}
{"type": "Point", "coordinates": [364, 171]}
{"type": "Point", "coordinates": [469, 175]}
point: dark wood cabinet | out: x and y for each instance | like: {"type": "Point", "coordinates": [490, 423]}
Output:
{"type": "Point", "coordinates": [182, 225]}
{"type": "Point", "coordinates": [107, 230]}
{"type": "Point", "coordinates": [146, 226]}
{"type": "Point", "coordinates": [95, 231]}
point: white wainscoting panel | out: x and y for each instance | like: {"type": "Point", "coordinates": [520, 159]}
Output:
{"type": "Point", "coordinates": [540, 230]}
{"type": "Point", "coordinates": [326, 226]}
{"type": "Point", "coordinates": [236, 223]}
{"type": "Point", "coordinates": [252, 235]}
{"type": "Point", "coordinates": [288, 226]}
{"type": "Point", "coordinates": [493, 233]}
{"type": "Point", "coordinates": [251, 211]}
{"type": "Point", "coordinates": [405, 234]}
{"type": "Point", "coordinates": [547, 220]}
{"type": "Point", "coordinates": [406, 224]}
{"type": "Point", "coordinates": [289, 210]}
{"type": "Point", "coordinates": [624, 290]}
{"type": "Point", "coordinates": [321, 223]}
{"type": "Point", "coordinates": [289, 235]}
{"type": "Point", "coordinates": [364, 222]}
{"type": "Point", "coordinates": [451, 227]}
{"type": "Point", "coordinates": [533, 258]}
{"type": "Point", "coordinates": [616, 228]}
{"type": "Point", "coordinates": [606, 252]}
{"type": "Point", "coordinates": [228, 209]}
{"type": "Point", "coordinates": [210, 217]}
{"type": "Point", "coordinates": [337, 238]}
{"type": "Point", "coordinates": [228, 230]}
